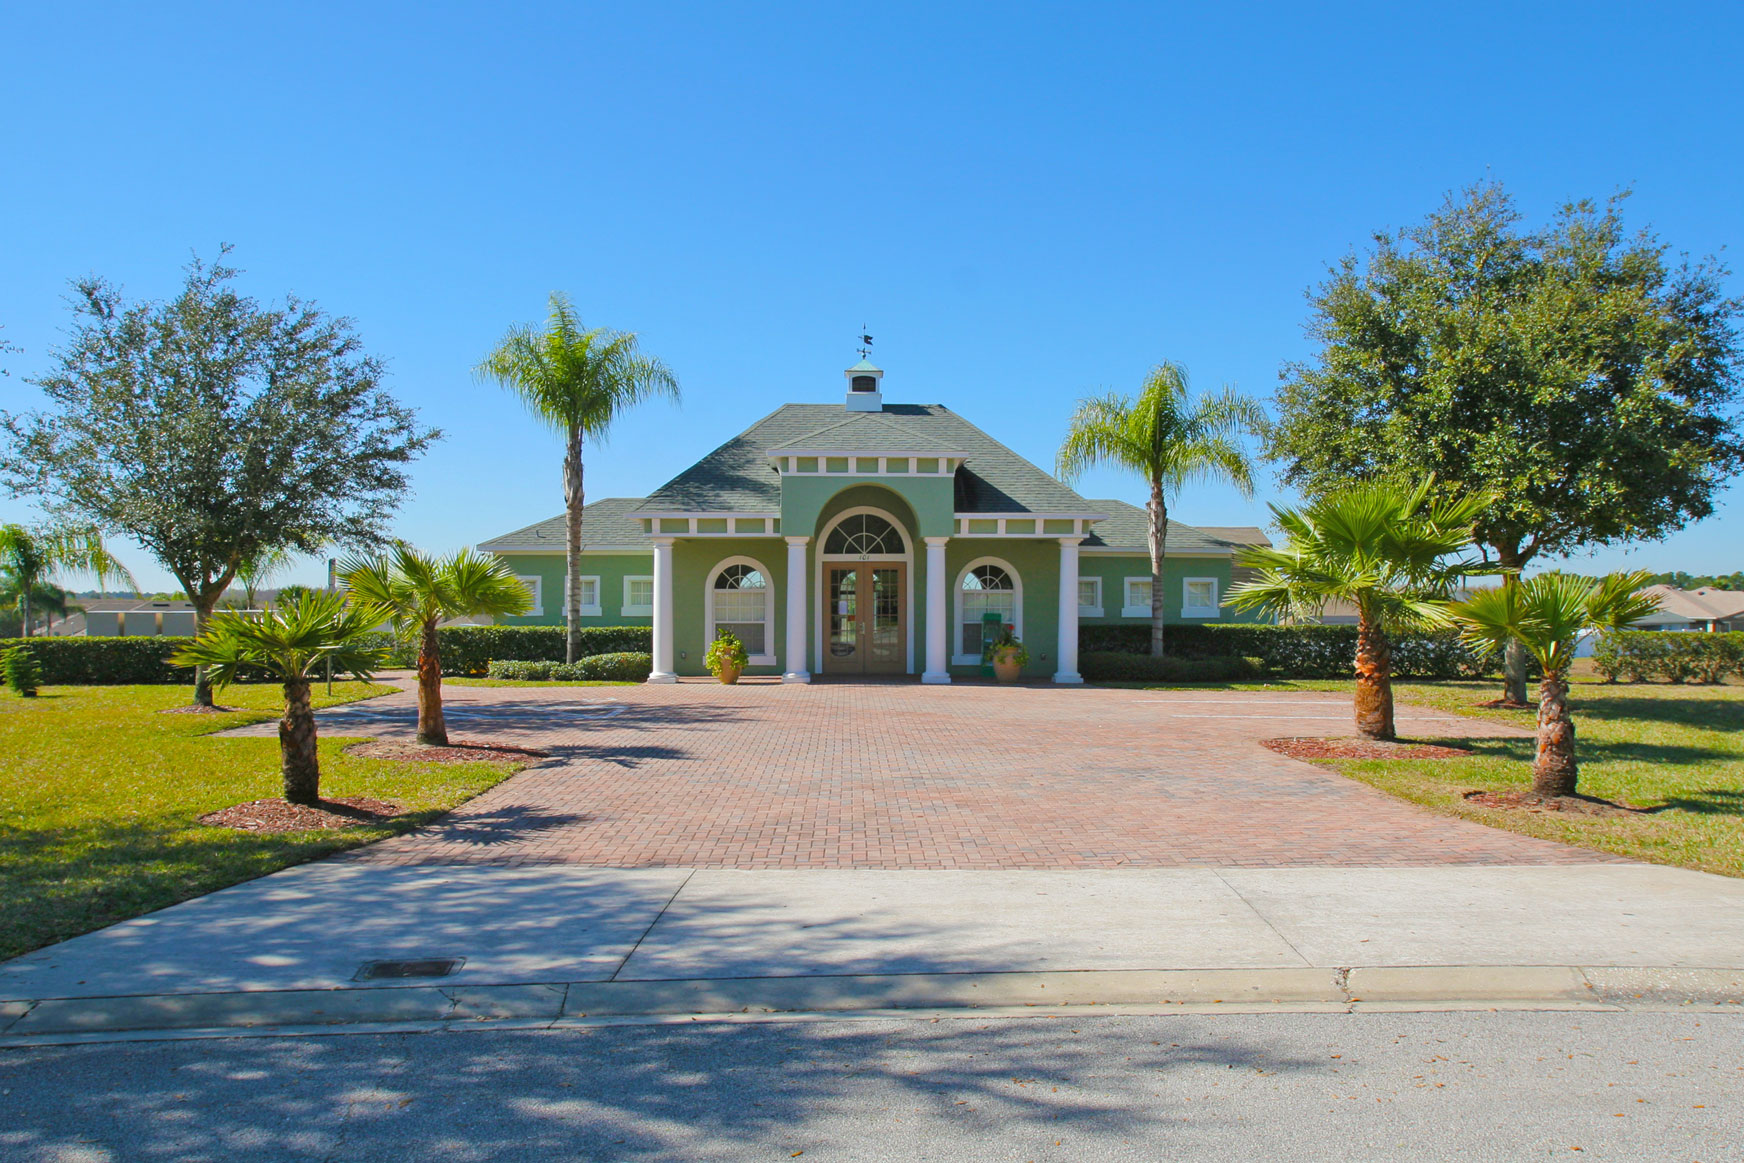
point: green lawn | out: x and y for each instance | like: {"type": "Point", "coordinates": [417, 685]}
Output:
{"type": "Point", "coordinates": [1676, 749]}
{"type": "Point", "coordinates": [100, 794]}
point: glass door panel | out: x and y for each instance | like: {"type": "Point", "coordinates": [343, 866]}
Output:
{"type": "Point", "coordinates": [884, 637]}
{"type": "Point", "coordinates": [842, 644]}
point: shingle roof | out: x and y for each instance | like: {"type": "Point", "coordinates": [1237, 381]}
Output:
{"type": "Point", "coordinates": [738, 477]}
{"type": "Point", "coordinates": [867, 432]}
{"type": "Point", "coordinates": [605, 524]}
{"type": "Point", "coordinates": [1704, 604]}
{"type": "Point", "coordinates": [1128, 528]}
{"type": "Point", "coordinates": [1237, 534]}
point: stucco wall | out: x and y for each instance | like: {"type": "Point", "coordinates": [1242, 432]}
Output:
{"type": "Point", "coordinates": [610, 568]}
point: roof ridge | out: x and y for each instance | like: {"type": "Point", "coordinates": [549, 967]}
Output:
{"type": "Point", "coordinates": [864, 420]}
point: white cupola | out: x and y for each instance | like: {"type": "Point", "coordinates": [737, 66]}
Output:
{"type": "Point", "coordinates": [864, 392]}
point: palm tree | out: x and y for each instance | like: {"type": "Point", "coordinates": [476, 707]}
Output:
{"type": "Point", "coordinates": [1388, 551]}
{"type": "Point", "coordinates": [256, 571]}
{"type": "Point", "coordinates": [577, 380]}
{"type": "Point", "coordinates": [50, 600]}
{"type": "Point", "coordinates": [417, 591]}
{"type": "Point", "coordinates": [31, 556]}
{"type": "Point", "coordinates": [290, 642]}
{"type": "Point", "coordinates": [1547, 615]}
{"type": "Point", "coordinates": [1168, 439]}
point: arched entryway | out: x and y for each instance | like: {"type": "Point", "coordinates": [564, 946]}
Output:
{"type": "Point", "coordinates": [865, 588]}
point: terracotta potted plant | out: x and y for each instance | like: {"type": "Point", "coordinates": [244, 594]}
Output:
{"type": "Point", "coordinates": [1008, 655]}
{"type": "Point", "coordinates": [726, 657]}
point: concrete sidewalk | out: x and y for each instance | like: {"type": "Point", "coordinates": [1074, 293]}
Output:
{"type": "Point", "coordinates": [544, 944]}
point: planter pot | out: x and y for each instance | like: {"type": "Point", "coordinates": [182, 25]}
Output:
{"type": "Point", "coordinates": [730, 673]}
{"type": "Point", "coordinates": [1006, 667]}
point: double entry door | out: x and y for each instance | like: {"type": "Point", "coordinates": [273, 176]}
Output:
{"type": "Point", "coordinates": [866, 629]}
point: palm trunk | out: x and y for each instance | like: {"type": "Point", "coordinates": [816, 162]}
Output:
{"type": "Point", "coordinates": [432, 724]}
{"type": "Point", "coordinates": [1513, 654]}
{"type": "Point", "coordinates": [1374, 680]}
{"type": "Point", "coordinates": [300, 762]}
{"type": "Point", "coordinates": [24, 611]}
{"type": "Point", "coordinates": [1554, 771]}
{"type": "Point", "coordinates": [1158, 539]}
{"type": "Point", "coordinates": [574, 498]}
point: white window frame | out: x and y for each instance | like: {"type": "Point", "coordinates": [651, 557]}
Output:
{"type": "Point", "coordinates": [1094, 609]}
{"type": "Point", "coordinates": [593, 610]}
{"type": "Point", "coordinates": [767, 658]}
{"type": "Point", "coordinates": [631, 610]}
{"type": "Point", "coordinates": [536, 587]}
{"type": "Point", "coordinates": [1127, 609]}
{"type": "Point", "coordinates": [1210, 611]}
{"type": "Point", "coordinates": [958, 658]}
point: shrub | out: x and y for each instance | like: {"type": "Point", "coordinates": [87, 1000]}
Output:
{"type": "Point", "coordinates": [471, 649]}
{"type": "Point", "coordinates": [18, 665]}
{"type": "Point", "coordinates": [621, 666]}
{"type": "Point", "coordinates": [101, 661]}
{"type": "Point", "coordinates": [1645, 655]}
{"type": "Point", "coordinates": [1108, 666]}
{"type": "Point", "coordinates": [1293, 651]}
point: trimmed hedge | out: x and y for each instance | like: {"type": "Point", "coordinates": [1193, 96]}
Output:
{"type": "Point", "coordinates": [105, 661]}
{"type": "Point", "coordinates": [1292, 651]}
{"type": "Point", "coordinates": [1107, 666]}
{"type": "Point", "coordinates": [1673, 655]}
{"type": "Point", "coordinates": [621, 666]}
{"type": "Point", "coordinates": [471, 649]}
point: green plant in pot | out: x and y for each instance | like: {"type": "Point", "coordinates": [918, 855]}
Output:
{"type": "Point", "coordinates": [1008, 655]}
{"type": "Point", "coordinates": [726, 657]}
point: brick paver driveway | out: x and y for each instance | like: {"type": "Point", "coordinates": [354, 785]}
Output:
{"type": "Point", "coordinates": [909, 776]}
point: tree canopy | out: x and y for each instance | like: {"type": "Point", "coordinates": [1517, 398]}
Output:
{"type": "Point", "coordinates": [1574, 373]}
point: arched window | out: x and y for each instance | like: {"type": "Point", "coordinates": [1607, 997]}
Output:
{"type": "Point", "coordinates": [865, 536]}
{"type": "Point", "coordinates": [739, 601]}
{"type": "Point", "coordinates": [986, 588]}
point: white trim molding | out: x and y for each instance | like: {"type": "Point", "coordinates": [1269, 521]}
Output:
{"type": "Point", "coordinates": [636, 609]}
{"type": "Point", "coordinates": [710, 524]}
{"type": "Point", "coordinates": [958, 658]}
{"type": "Point", "coordinates": [819, 558]}
{"type": "Point", "coordinates": [1094, 609]}
{"type": "Point", "coordinates": [865, 464]}
{"type": "Point", "coordinates": [1127, 608]}
{"type": "Point", "coordinates": [1025, 525]}
{"type": "Point", "coordinates": [1199, 611]}
{"type": "Point", "coordinates": [767, 656]}
{"type": "Point", "coordinates": [591, 609]}
{"type": "Point", "coordinates": [536, 589]}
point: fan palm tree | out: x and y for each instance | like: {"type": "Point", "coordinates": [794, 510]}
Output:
{"type": "Point", "coordinates": [1170, 440]}
{"type": "Point", "coordinates": [1387, 551]}
{"type": "Point", "coordinates": [577, 380]}
{"type": "Point", "coordinates": [291, 642]}
{"type": "Point", "coordinates": [1547, 615]}
{"type": "Point", "coordinates": [32, 556]}
{"type": "Point", "coordinates": [417, 591]}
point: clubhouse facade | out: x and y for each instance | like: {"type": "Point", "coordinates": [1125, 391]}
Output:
{"type": "Point", "coordinates": [867, 538]}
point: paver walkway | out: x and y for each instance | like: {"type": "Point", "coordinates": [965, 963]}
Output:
{"type": "Point", "coordinates": [896, 776]}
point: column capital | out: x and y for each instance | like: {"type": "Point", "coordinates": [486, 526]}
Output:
{"type": "Point", "coordinates": [663, 540]}
{"type": "Point", "coordinates": [798, 539]}
{"type": "Point", "coordinates": [935, 540]}
{"type": "Point", "coordinates": [1074, 540]}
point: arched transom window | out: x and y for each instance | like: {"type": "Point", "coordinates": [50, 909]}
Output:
{"type": "Point", "coordinates": [987, 589]}
{"type": "Point", "coordinates": [740, 603]}
{"type": "Point", "coordinates": [864, 535]}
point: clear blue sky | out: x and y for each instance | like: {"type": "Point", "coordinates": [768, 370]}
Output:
{"type": "Point", "coordinates": [1025, 203]}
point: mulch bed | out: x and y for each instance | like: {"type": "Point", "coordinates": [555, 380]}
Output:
{"type": "Point", "coordinates": [1525, 801]}
{"type": "Point", "coordinates": [197, 709]}
{"type": "Point", "coordinates": [1355, 748]}
{"type": "Point", "coordinates": [279, 816]}
{"type": "Point", "coordinates": [1507, 705]}
{"type": "Point", "coordinates": [457, 751]}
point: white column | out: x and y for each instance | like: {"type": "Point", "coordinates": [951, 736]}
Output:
{"type": "Point", "coordinates": [1068, 652]}
{"type": "Point", "coordinates": [938, 619]}
{"type": "Point", "coordinates": [796, 611]}
{"type": "Point", "coordinates": [663, 671]}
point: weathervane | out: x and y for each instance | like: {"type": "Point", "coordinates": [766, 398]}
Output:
{"type": "Point", "coordinates": [865, 343]}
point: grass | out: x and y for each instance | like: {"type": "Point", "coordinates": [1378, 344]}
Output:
{"type": "Point", "coordinates": [1677, 750]}
{"type": "Point", "coordinates": [446, 681]}
{"type": "Point", "coordinates": [100, 797]}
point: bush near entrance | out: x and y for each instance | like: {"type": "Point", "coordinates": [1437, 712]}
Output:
{"type": "Point", "coordinates": [1292, 651]}
{"type": "Point", "coordinates": [471, 649]}
{"type": "Point", "coordinates": [625, 666]}
{"type": "Point", "coordinates": [1644, 655]}
{"type": "Point", "coordinates": [1107, 666]}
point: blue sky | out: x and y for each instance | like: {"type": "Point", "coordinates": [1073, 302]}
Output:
{"type": "Point", "coordinates": [1024, 203]}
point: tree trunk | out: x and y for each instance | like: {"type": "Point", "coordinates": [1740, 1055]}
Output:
{"type": "Point", "coordinates": [1554, 771]}
{"type": "Point", "coordinates": [203, 681]}
{"type": "Point", "coordinates": [574, 499]}
{"type": "Point", "coordinates": [24, 610]}
{"type": "Point", "coordinates": [1374, 680]}
{"type": "Point", "coordinates": [432, 724]}
{"type": "Point", "coordinates": [300, 762]}
{"type": "Point", "coordinates": [1157, 536]}
{"type": "Point", "coordinates": [1513, 654]}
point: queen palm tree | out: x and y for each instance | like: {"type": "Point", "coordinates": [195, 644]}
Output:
{"type": "Point", "coordinates": [291, 642]}
{"type": "Point", "coordinates": [1169, 439]}
{"type": "Point", "coordinates": [577, 380]}
{"type": "Point", "coordinates": [254, 572]}
{"type": "Point", "coordinates": [1389, 552]}
{"type": "Point", "coordinates": [30, 557]}
{"type": "Point", "coordinates": [417, 591]}
{"type": "Point", "coordinates": [1546, 615]}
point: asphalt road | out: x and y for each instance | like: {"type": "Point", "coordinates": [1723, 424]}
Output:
{"type": "Point", "coordinates": [1421, 1086]}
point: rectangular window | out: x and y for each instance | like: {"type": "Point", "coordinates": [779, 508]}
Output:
{"type": "Point", "coordinates": [1090, 597]}
{"type": "Point", "coordinates": [1137, 602]}
{"type": "Point", "coordinates": [1199, 597]}
{"type": "Point", "coordinates": [590, 600]}
{"type": "Point", "coordinates": [535, 586]}
{"type": "Point", "coordinates": [638, 597]}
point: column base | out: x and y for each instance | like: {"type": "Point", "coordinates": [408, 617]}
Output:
{"type": "Point", "coordinates": [797, 676]}
{"type": "Point", "coordinates": [1073, 677]}
{"type": "Point", "coordinates": [934, 677]}
{"type": "Point", "coordinates": [661, 678]}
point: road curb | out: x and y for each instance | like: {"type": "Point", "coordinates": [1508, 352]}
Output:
{"type": "Point", "coordinates": [1348, 990]}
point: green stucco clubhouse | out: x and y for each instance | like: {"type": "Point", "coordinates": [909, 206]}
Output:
{"type": "Point", "coordinates": [867, 538]}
